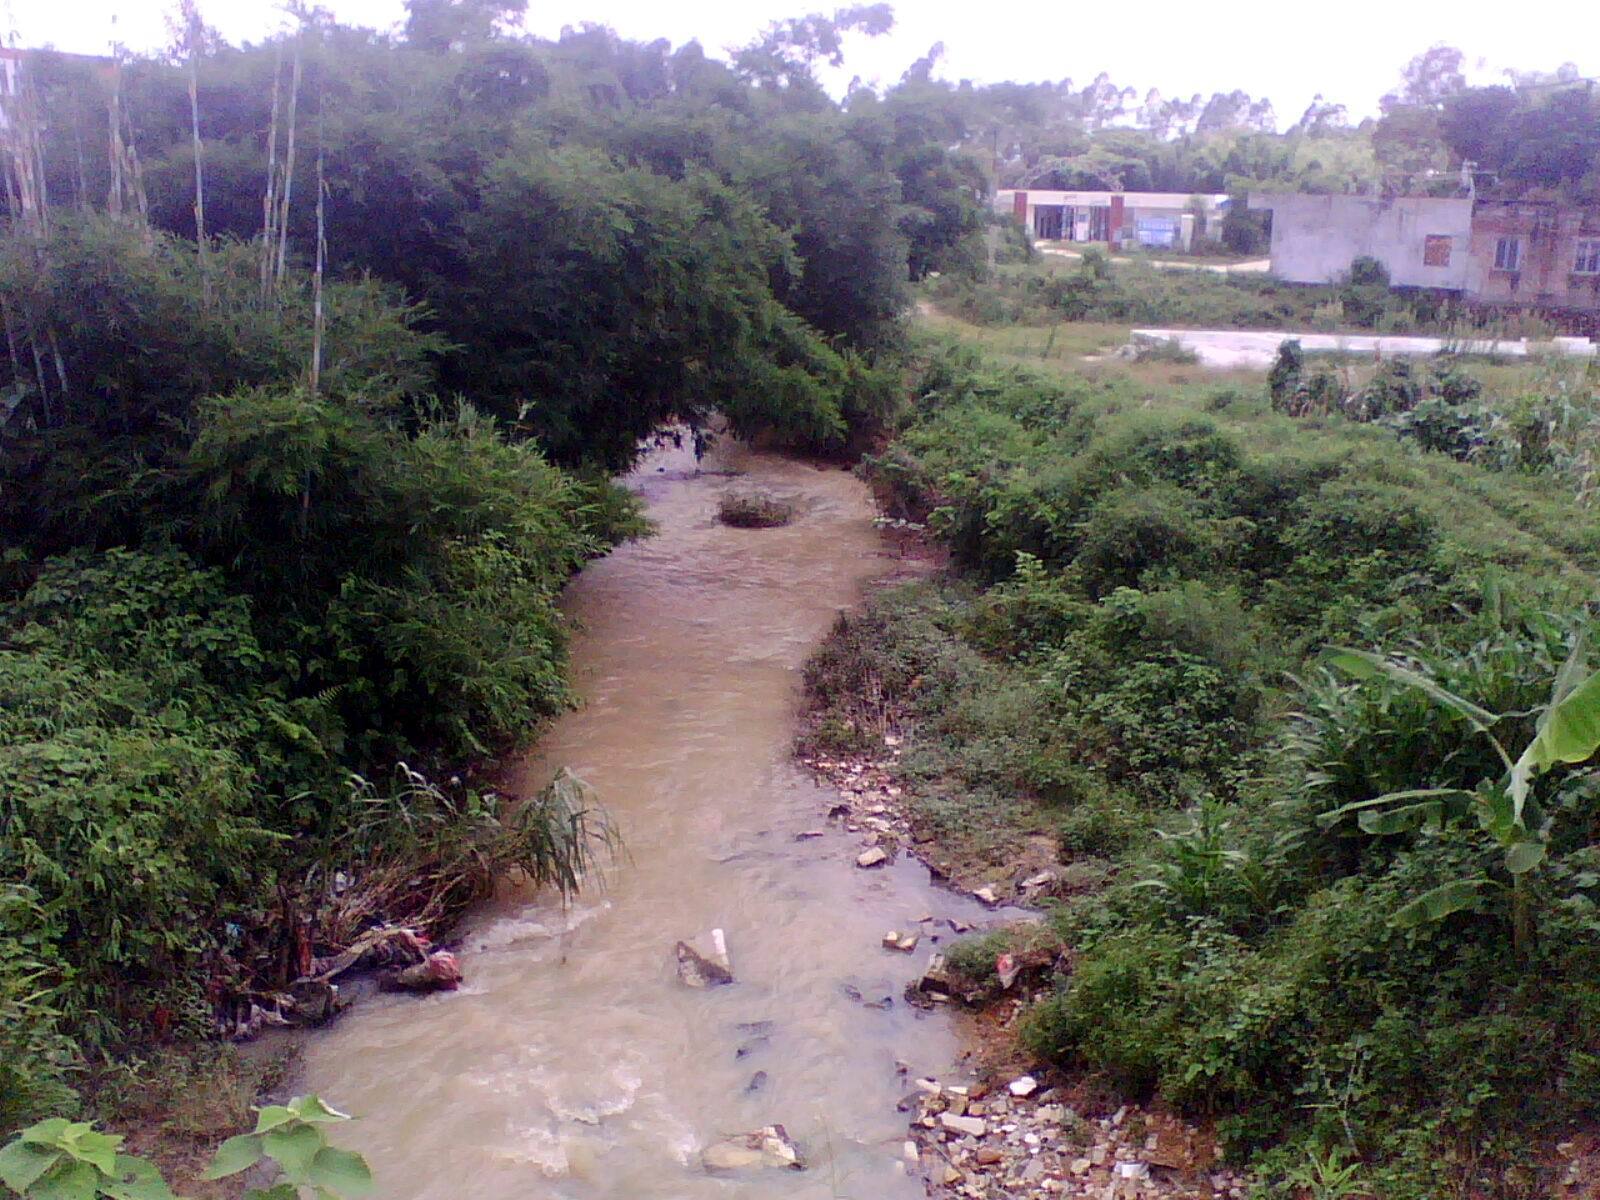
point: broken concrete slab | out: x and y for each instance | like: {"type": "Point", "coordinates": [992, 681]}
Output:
{"type": "Point", "coordinates": [936, 979]}
{"type": "Point", "coordinates": [704, 961]}
{"type": "Point", "coordinates": [767, 1147]}
{"type": "Point", "coordinates": [973, 1126]}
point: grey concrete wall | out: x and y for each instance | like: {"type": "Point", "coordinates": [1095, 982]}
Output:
{"type": "Point", "coordinates": [1314, 238]}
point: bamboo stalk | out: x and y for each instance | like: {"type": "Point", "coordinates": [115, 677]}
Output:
{"type": "Point", "coordinates": [288, 167]}
{"type": "Point", "coordinates": [194, 36]}
{"type": "Point", "coordinates": [268, 201]}
{"type": "Point", "coordinates": [322, 259]}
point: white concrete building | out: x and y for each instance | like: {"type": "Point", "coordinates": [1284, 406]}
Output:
{"type": "Point", "coordinates": [1167, 220]}
{"type": "Point", "coordinates": [1423, 240]}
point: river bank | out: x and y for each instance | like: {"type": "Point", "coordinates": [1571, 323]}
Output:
{"type": "Point", "coordinates": [1005, 1124]}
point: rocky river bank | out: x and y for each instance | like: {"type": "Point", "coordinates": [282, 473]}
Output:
{"type": "Point", "coordinates": [1008, 1128]}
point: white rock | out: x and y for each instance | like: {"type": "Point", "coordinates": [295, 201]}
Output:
{"type": "Point", "coordinates": [975, 1126]}
{"type": "Point", "coordinates": [874, 857]}
{"type": "Point", "coordinates": [986, 895]}
{"type": "Point", "coordinates": [1025, 1085]}
{"type": "Point", "coordinates": [909, 1153]}
{"type": "Point", "coordinates": [908, 942]}
{"type": "Point", "coordinates": [930, 1086]}
{"type": "Point", "coordinates": [1080, 1166]}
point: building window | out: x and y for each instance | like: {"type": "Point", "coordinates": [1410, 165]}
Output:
{"type": "Point", "coordinates": [1587, 261]}
{"type": "Point", "coordinates": [1436, 250]}
{"type": "Point", "coordinates": [1508, 254]}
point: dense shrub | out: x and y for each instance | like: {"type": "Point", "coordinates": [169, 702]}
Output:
{"type": "Point", "coordinates": [1138, 676]}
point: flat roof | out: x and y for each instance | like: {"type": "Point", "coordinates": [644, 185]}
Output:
{"type": "Point", "coordinates": [1152, 199]}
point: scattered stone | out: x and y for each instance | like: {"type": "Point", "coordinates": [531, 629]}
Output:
{"type": "Point", "coordinates": [1129, 1180]}
{"type": "Point", "coordinates": [985, 895]}
{"type": "Point", "coordinates": [769, 1146]}
{"type": "Point", "coordinates": [839, 810]}
{"type": "Point", "coordinates": [806, 835]}
{"type": "Point", "coordinates": [928, 1087]}
{"type": "Point", "coordinates": [1025, 1085]}
{"type": "Point", "coordinates": [1080, 1166]}
{"type": "Point", "coordinates": [958, 926]}
{"type": "Point", "coordinates": [875, 857]}
{"type": "Point", "coordinates": [936, 979]}
{"type": "Point", "coordinates": [903, 942]}
{"type": "Point", "coordinates": [704, 961]}
{"type": "Point", "coordinates": [974, 1126]}
{"type": "Point", "coordinates": [989, 1155]}
{"type": "Point", "coordinates": [909, 1153]}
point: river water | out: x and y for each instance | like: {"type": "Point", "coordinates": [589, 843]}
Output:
{"type": "Point", "coordinates": [573, 1063]}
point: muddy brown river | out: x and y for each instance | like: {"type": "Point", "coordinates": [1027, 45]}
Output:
{"type": "Point", "coordinates": [573, 1063]}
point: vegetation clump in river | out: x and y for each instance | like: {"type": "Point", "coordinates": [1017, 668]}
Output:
{"type": "Point", "coordinates": [754, 510]}
{"type": "Point", "coordinates": [1129, 660]}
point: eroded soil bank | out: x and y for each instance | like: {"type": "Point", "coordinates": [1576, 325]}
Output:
{"type": "Point", "coordinates": [573, 1063]}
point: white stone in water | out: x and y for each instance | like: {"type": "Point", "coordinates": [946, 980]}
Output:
{"type": "Point", "coordinates": [703, 962]}
{"type": "Point", "coordinates": [769, 1146]}
{"type": "Point", "coordinates": [986, 895]}
{"type": "Point", "coordinates": [909, 1153]}
{"type": "Point", "coordinates": [930, 1086]}
{"type": "Point", "coordinates": [874, 857]}
{"type": "Point", "coordinates": [1024, 1085]}
{"type": "Point", "coordinates": [908, 942]}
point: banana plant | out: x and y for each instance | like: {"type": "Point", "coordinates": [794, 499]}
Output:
{"type": "Point", "coordinates": [1567, 730]}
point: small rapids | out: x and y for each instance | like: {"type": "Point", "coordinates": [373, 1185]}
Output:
{"type": "Point", "coordinates": [573, 1063]}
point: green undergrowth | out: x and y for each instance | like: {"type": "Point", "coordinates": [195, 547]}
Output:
{"type": "Point", "coordinates": [1093, 288]}
{"type": "Point", "coordinates": [1127, 658]}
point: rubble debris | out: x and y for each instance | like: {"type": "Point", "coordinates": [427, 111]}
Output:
{"type": "Point", "coordinates": [767, 1147]}
{"type": "Point", "coordinates": [704, 961]}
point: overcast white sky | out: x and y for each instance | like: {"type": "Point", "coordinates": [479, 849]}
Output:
{"type": "Point", "coordinates": [1350, 51]}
